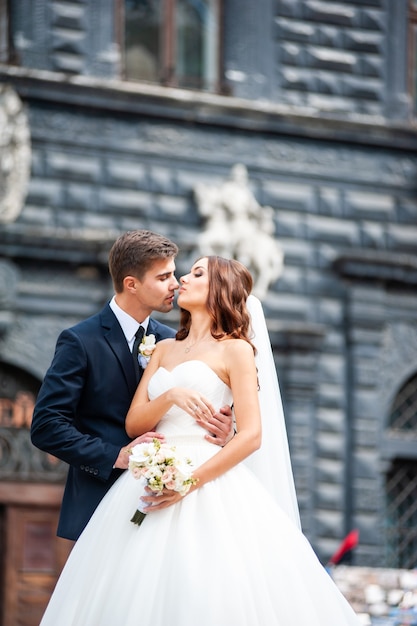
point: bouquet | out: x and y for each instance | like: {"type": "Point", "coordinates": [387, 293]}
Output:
{"type": "Point", "coordinates": [161, 468]}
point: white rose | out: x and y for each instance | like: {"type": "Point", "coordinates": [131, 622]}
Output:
{"type": "Point", "coordinates": [147, 345]}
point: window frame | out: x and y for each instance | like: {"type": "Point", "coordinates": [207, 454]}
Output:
{"type": "Point", "coordinates": [8, 53]}
{"type": "Point", "coordinates": [412, 54]}
{"type": "Point", "coordinates": [5, 47]}
{"type": "Point", "coordinates": [169, 78]}
{"type": "Point", "coordinates": [400, 514]}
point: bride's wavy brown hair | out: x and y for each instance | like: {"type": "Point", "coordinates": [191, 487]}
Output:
{"type": "Point", "coordinates": [230, 284]}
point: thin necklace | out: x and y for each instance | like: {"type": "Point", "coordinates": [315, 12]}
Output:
{"type": "Point", "coordinates": [190, 346]}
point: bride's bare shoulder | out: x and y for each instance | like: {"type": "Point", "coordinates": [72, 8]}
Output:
{"type": "Point", "coordinates": [164, 345]}
{"type": "Point", "coordinates": [165, 342]}
{"type": "Point", "coordinates": [238, 348]}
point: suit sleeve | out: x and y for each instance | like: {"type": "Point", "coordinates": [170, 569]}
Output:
{"type": "Point", "coordinates": [57, 427]}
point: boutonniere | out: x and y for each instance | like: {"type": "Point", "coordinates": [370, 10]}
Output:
{"type": "Point", "coordinates": [146, 347]}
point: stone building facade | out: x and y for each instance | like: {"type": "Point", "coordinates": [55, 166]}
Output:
{"type": "Point", "coordinates": [317, 100]}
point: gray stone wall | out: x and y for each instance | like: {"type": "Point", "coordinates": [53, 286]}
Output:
{"type": "Point", "coordinates": [343, 58]}
{"type": "Point", "coordinates": [80, 36]}
{"type": "Point", "coordinates": [332, 54]}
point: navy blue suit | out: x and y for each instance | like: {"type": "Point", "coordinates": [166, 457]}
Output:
{"type": "Point", "coordinates": [80, 411]}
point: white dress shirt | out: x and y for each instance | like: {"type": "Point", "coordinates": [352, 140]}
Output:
{"type": "Point", "coordinates": [127, 322]}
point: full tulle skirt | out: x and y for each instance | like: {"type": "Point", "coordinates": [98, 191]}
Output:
{"type": "Point", "coordinates": [225, 555]}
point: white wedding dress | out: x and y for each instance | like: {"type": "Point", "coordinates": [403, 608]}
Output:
{"type": "Point", "coordinates": [226, 555]}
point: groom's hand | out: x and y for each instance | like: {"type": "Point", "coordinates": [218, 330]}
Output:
{"type": "Point", "coordinates": [219, 426]}
{"type": "Point", "coordinates": [122, 461]}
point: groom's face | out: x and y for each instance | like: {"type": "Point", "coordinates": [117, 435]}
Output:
{"type": "Point", "coordinates": [156, 291]}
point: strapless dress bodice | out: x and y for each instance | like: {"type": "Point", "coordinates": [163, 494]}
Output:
{"type": "Point", "coordinates": [193, 374]}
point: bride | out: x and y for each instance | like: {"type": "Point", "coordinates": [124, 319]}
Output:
{"type": "Point", "coordinates": [230, 552]}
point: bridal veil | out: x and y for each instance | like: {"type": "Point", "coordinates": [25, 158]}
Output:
{"type": "Point", "coordinates": [271, 463]}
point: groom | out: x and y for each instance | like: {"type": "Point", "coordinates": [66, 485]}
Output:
{"type": "Point", "coordinates": [80, 411]}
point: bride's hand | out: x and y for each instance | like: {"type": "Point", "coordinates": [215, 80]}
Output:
{"type": "Point", "coordinates": [161, 500]}
{"type": "Point", "coordinates": [195, 404]}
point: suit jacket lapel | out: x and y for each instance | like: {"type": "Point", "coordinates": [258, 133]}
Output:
{"type": "Point", "coordinates": [114, 336]}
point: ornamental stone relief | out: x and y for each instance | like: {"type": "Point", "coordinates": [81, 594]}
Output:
{"type": "Point", "coordinates": [15, 154]}
{"type": "Point", "coordinates": [17, 412]}
{"type": "Point", "coordinates": [19, 459]}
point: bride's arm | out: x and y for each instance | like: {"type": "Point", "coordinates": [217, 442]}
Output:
{"type": "Point", "coordinates": [241, 368]}
{"type": "Point", "coordinates": [240, 364]}
{"type": "Point", "coordinates": [144, 414]}
{"type": "Point", "coordinates": [133, 422]}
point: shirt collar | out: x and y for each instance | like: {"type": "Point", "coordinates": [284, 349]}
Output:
{"type": "Point", "coordinates": [127, 322]}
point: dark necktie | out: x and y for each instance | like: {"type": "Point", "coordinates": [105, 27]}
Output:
{"type": "Point", "coordinates": [135, 351]}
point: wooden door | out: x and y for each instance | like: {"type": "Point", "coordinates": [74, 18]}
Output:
{"type": "Point", "coordinates": [32, 555]}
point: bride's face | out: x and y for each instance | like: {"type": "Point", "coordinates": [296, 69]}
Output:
{"type": "Point", "coordinates": [194, 287]}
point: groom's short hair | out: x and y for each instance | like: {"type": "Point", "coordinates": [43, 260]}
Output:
{"type": "Point", "coordinates": [134, 252]}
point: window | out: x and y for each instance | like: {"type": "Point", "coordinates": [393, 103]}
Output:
{"type": "Point", "coordinates": [401, 482]}
{"type": "Point", "coordinates": [403, 418]}
{"type": "Point", "coordinates": [172, 42]}
{"type": "Point", "coordinates": [413, 52]}
{"type": "Point", "coordinates": [401, 514]}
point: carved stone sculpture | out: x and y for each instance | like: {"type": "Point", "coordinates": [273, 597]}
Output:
{"type": "Point", "coordinates": [15, 154]}
{"type": "Point", "coordinates": [236, 226]}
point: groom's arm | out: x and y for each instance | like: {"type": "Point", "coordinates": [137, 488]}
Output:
{"type": "Point", "coordinates": [56, 428]}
